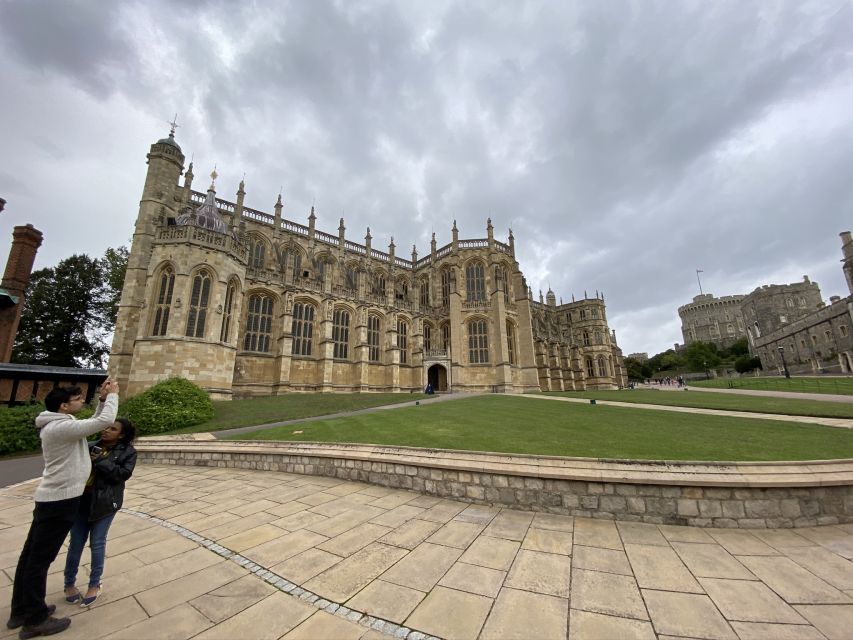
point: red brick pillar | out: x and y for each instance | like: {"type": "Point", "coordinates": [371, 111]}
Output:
{"type": "Point", "coordinates": [25, 243]}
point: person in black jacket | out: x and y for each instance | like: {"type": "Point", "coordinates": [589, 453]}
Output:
{"type": "Point", "coordinates": [113, 459]}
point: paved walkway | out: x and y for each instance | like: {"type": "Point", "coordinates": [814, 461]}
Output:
{"type": "Point", "coordinates": [796, 395]}
{"type": "Point", "coordinates": [250, 554]}
{"type": "Point", "coordinates": [843, 423]}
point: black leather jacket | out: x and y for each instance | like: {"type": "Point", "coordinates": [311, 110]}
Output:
{"type": "Point", "coordinates": [111, 472]}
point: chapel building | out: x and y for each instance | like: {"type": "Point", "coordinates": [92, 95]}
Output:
{"type": "Point", "coordinates": [247, 303]}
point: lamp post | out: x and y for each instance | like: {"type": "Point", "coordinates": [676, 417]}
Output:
{"type": "Point", "coordinates": [784, 365]}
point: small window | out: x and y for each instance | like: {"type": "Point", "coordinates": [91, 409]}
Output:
{"type": "Point", "coordinates": [590, 371]}
{"type": "Point", "coordinates": [257, 251]}
{"type": "Point", "coordinates": [583, 314]}
{"type": "Point", "coordinates": [843, 329]}
{"type": "Point", "coordinates": [427, 337]}
{"type": "Point", "coordinates": [258, 324]}
{"type": "Point", "coordinates": [783, 319]}
{"type": "Point", "coordinates": [340, 334]}
{"type": "Point", "coordinates": [302, 329]}
{"type": "Point", "coordinates": [445, 336]}
{"type": "Point", "coordinates": [403, 340]}
{"type": "Point", "coordinates": [594, 313]}
{"type": "Point", "coordinates": [424, 293]}
{"type": "Point", "coordinates": [227, 309]}
{"type": "Point", "coordinates": [789, 303]}
{"type": "Point", "coordinates": [586, 338]}
{"type": "Point", "coordinates": [164, 302]}
{"type": "Point", "coordinates": [199, 298]}
{"type": "Point", "coordinates": [475, 282]}
{"type": "Point", "coordinates": [510, 343]}
{"type": "Point", "coordinates": [478, 342]}
{"type": "Point", "coordinates": [827, 335]}
{"type": "Point", "coordinates": [373, 338]}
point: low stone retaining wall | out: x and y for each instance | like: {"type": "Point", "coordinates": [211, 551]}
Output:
{"type": "Point", "coordinates": [745, 495]}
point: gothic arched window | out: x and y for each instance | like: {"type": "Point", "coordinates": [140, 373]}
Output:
{"type": "Point", "coordinates": [340, 334]}
{"type": "Point", "coordinates": [227, 310]}
{"type": "Point", "coordinates": [163, 302]}
{"type": "Point", "coordinates": [602, 366]}
{"type": "Point", "coordinates": [445, 287]}
{"type": "Point", "coordinates": [475, 282]}
{"type": "Point", "coordinates": [478, 342]}
{"type": "Point", "coordinates": [257, 253]}
{"type": "Point", "coordinates": [258, 323]}
{"type": "Point", "coordinates": [403, 340]}
{"type": "Point", "coordinates": [302, 328]}
{"type": "Point", "coordinates": [199, 298]}
{"type": "Point", "coordinates": [510, 342]}
{"type": "Point", "coordinates": [373, 338]}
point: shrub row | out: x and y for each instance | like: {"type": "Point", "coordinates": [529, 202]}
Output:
{"type": "Point", "coordinates": [172, 404]}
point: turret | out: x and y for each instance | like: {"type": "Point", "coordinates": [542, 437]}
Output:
{"type": "Point", "coordinates": [847, 249]}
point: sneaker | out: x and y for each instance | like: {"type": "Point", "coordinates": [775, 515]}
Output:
{"type": "Point", "coordinates": [47, 628]}
{"type": "Point", "coordinates": [17, 621]}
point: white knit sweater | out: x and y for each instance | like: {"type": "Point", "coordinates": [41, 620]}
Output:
{"type": "Point", "coordinates": [66, 455]}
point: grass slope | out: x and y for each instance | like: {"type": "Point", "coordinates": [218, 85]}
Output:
{"type": "Point", "coordinates": [252, 411]}
{"type": "Point", "coordinates": [725, 401]}
{"type": "Point", "coordinates": [794, 384]}
{"type": "Point", "coordinates": [520, 425]}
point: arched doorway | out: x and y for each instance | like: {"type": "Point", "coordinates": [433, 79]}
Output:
{"type": "Point", "coordinates": [437, 377]}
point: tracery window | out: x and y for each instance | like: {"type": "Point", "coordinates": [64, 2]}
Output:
{"type": "Point", "coordinates": [379, 285]}
{"type": "Point", "coordinates": [258, 323]}
{"type": "Point", "coordinates": [594, 313]}
{"type": "Point", "coordinates": [583, 314]}
{"type": "Point", "coordinates": [373, 338]}
{"type": "Point", "coordinates": [586, 338]}
{"type": "Point", "coordinates": [445, 287]}
{"type": "Point", "coordinates": [351, 278]}
{"type": "Point", "coordinates": [199, 298]}
{"type": "Point", "coordinates": [427, 336]}
{"type": "Point", "coordinates": [340, 334]}
{"type": "Point", "coordinates": [510, 342]}
{"type": "Point", "coordinates": [424, 297]}
{"type": "Point", "coordinates": [590, 371]}
{"type": "Point", "coordinates": [227, 310]}
{"type": "Point", "coordinates": [478, 342]}
{"type": "Point", "coordinates": [164, 302]}
{"type": "Point", "coordinates": [602, 366]}
{"type": "Point", "coordinates": [475, 282]}
{"type": "Point", "coordinates": [257, 253]}
{"type": "Point", "coordinates": [445, 336]}
{"type": "Point", "coordinates": [403, 340]}
{"type": "Point", "coordinates": [302, 328]}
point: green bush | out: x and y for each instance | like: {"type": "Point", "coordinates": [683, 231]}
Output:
{"type": "Point", "coordinates": [18, 431]}
{"type": "Point", "coordinates": [172, 404]}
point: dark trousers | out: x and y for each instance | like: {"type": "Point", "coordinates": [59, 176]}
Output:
{"type": "Point", "coordinates": [51, 523]}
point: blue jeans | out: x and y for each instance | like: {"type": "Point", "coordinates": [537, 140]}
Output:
{"type": "Point", "coordinates": [97, 533]}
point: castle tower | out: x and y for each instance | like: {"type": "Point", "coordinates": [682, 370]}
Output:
{"type": "Point", "coordinates": [161, 199]}
{"type": "Point", "coordinates": [182, 295]}
{"type": "Point", "coordinates": [847, 249]}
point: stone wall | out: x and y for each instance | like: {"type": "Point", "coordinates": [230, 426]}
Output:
{"type": "Point", "coordinates": [699, 499]}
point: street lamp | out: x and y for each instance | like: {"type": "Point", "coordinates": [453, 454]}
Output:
{"type": "Point", "coordinates": [784, 365]}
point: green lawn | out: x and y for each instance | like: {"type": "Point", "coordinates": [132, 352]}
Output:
{"type": "Point", "coordinates": [726, 401]}
{"type": "Point", "coordinates": [797, 384]}
{"type": "Point", "coordinates": [521, 425]}
{"type": "Point", "coordinates": [252, 411]}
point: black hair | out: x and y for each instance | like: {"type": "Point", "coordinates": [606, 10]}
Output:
{"type": "Point", "coordinates": [60, 395]}
{"type": "Point", "coordinates": [128, 431]}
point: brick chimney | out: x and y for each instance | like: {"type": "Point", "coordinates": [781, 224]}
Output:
{"type": "Point", "coordinates": [25, 243]}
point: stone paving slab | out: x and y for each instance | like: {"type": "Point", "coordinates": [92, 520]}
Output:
{"type": "Point", "coordinates": [204, 553]}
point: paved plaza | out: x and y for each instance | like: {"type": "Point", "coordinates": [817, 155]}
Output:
{"type": "Point", "coordinates": [220, 553]}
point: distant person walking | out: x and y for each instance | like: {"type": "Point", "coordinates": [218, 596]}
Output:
{"type": "Point", "coordinates": [66, 468]}
{"type": "Point", "coordinates": [113, 460]}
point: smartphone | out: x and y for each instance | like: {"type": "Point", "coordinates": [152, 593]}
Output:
{"type": "Point", "coordinates": [96, 450]}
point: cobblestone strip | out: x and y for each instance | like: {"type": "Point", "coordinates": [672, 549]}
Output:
{"type": "Point", "coordinates": [285, 585]}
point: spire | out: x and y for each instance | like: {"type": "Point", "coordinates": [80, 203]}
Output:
{"type": "Point", "coordinates": [455, 236]}
{"type": "Point", "coordinates": [414, 254]}
{"type": "Point", "coordinates": [213, 177]}
{"type": "Point", "coordinates": [511, 242]}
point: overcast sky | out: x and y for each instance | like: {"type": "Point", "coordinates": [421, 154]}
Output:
{"type": "Point", "coordinates": [626, 144]}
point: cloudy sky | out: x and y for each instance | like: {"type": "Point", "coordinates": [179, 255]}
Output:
{"type": "Point", "coordinates": [625, 143]}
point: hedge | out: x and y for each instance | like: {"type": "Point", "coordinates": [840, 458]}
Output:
{"type": "Point", "coordinates": [18, 431]}
{"type": "Point", "coordinates": [172, 404]}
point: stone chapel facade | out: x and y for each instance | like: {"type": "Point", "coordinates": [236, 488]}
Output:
{"type": "Point", "coordinates": [245, 303]}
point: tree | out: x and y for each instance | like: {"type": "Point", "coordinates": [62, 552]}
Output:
{"type": "Point", "coordinates": [702, 356]}
{"type": "Point", "coordinates": [70, 311]}
{"type": "Point", "coordinates": [637, 370]}
{"type": "Point", "coordinates": [747, 363]}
